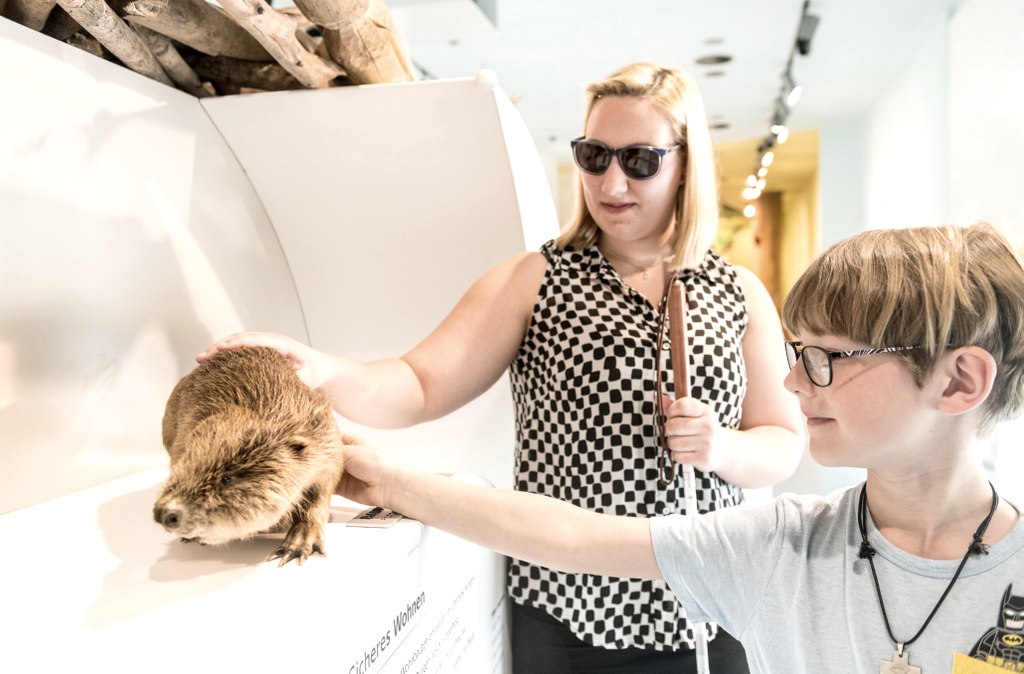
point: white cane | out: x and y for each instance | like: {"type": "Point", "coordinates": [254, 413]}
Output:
{"type": "Point", "coordinates": [681, 376]}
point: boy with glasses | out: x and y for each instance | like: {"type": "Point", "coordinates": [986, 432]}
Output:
{"type": "Point", "coordinates": [912, 343]}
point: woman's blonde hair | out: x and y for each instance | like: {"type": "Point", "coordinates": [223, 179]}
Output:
{"type": "Point", "coordinates": [696, 214]}
{"type": "Point", "coordinates": [934, 287]}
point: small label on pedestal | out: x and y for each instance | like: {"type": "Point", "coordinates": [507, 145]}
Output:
{"type": "Point", "coordinates": [379, 518]}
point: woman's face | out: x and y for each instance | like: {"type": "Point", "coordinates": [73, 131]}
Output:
{"type": "Point", "coordinates": [624, 208]}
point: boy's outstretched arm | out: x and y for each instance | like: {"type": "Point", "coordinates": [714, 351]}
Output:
{"type": "Point", "coordinates": [535, 528]}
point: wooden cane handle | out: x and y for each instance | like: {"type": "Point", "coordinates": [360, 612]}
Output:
{"type": "Point", "coordinates": [677, 338]}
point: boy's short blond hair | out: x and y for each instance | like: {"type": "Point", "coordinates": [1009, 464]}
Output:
{"type": "Point", "coordinates": [933, 287]}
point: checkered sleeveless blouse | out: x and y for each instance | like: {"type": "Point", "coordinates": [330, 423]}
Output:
{"type": "Point", "coordinates": [583, 384]}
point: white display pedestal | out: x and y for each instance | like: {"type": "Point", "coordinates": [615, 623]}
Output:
{"type": "Point", "coordinates": [91, 583]}
{"type": "Point", "coordinates": [139, 224]}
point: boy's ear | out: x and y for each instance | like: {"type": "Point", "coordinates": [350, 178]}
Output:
{"type": "Point", "coordinates": [968, 373]}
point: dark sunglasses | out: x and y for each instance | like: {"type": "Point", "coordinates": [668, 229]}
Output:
{"type": "Point", "coordinates": [818, 361]}
{"type": "Point", "coordinates": [638, 162]}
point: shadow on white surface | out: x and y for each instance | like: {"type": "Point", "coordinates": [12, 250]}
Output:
{"type": "Point", "coordinates": [154, 569]}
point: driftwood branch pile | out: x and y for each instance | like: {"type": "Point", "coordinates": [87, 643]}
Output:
{"type": "Point", "coordinates": [234, 46]}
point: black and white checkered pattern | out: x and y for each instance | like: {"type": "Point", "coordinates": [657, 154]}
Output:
{"type": "Point", "coordinates": [583, 384]}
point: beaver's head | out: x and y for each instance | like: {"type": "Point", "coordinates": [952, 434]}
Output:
{"type": "Point", "coordinates": [239, 475]}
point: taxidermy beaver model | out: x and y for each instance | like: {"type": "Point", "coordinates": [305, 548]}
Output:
{"type": "Point", "coordinates": [253, 450]}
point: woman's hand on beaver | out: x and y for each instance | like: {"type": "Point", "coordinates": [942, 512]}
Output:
{"type": "Point", "coordinates": [363, 479]}
{"type": "Point", "coordinates": [301, 357]}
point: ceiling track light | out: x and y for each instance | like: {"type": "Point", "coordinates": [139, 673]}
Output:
{"type": "Point", "coordinates": [789, 95]}
{"type": "Point", "coordinates": [804, 34]}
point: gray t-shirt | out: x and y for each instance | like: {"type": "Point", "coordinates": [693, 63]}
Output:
{"type": "Point", "coordinates": [785, 578]}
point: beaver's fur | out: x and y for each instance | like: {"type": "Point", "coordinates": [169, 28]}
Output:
{"type": "Point", "coordinates": [253, 450]}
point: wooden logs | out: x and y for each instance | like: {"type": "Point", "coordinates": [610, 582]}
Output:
{"type": "Point", "coordinates": [277, 35]}
{"type": "Point", "coordinates": [233, 76]}
{"type": "Point", "coordinates": [172, 63]}
{"type": "Point", "coordinates": [238, 46]}
{"type": "Point", "coordinates": [30, 13]}
{"type": "Point", "coordinates": [360, 35]}
{"type": "Point", "coordinates": [101, 22]}
{"type": "Point", "coordinates": [199, 25]}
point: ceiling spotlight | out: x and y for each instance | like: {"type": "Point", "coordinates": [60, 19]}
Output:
{"type": "Point", "coordinates": [808, 24]}
{"type": "Point", "coordinates": [751, 180]}
{"type": "Point", "coordinates": [714, 59]}
{"type": "Point", "coordinates": [767, 158]}
{"type": "Point", "coordinates": [762, 172]}
{"type": "Point", "coordinates": [749, 211]}
{"type": "Point", "coordinates": [793, 97]}
{"type": "Point", "coordinates": [781, 132]}
{"type": "Point", "coordinates": [791, 91]}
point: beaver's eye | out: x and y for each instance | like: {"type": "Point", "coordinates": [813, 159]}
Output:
{"type": "Point", "coordinates": [227, 479]}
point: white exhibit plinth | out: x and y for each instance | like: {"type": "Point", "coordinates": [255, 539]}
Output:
{"type": "Point", "coordinates": [91, 582]}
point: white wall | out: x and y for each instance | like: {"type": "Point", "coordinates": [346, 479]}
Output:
{"type": "Point", "coordinates": [906, 155]}
{"type": "Point", "coordinates": [140, 224]}
{"type": "Point", "coordinates": [886, 166]}
{"type": "Point", "coordinates": [129, 238]}
{"type": "Point", "coordinates": [390, 201]}
{"type": "Point", "coordinates": [986, 113]}
{"type": "Point", "coordinates": [944, 140]}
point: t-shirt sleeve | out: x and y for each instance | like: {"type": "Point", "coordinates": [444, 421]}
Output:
{"type": "Point", "coordinates": [719, 564]}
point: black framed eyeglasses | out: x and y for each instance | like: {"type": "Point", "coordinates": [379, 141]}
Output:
{"type": "Point", "coordinates": [638, 162]}
{"type": "Point", "coordinates": [818, 361]}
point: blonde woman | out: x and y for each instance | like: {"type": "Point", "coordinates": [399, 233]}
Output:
{"type": "Point", "coordinates": [577, 325]}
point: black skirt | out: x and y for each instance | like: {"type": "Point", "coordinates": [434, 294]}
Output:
{"type": "Point", "coordinates": [543, 645]}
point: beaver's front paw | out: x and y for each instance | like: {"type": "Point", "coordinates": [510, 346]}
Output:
{"type": "Point", "coordinates": [304, 539]}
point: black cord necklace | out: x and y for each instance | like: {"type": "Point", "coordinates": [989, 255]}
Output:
{"type": "Point", "coordinates": [899, 662]}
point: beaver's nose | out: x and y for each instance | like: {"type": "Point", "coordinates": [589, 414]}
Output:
{"type": "Point", "coordinates": [168, 517]}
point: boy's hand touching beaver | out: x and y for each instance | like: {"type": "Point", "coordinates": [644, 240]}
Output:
{"type": "Point", "coordinates": [253, 450]}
